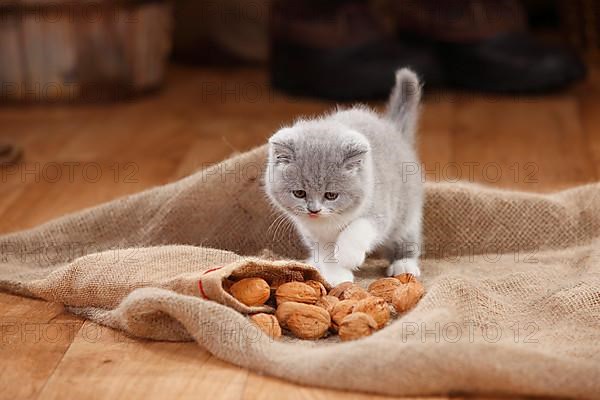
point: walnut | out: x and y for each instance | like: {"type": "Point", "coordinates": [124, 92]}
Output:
{"type": "Point", "coordinates": [327, 302]}
{"type": "Point", "coordinates": [405, 278]}
{"type": "Point", "coordinates": [407, 295]}
{"type": "Point", "coordinates": [356, 326]}
{"type": "Point", "coordinates": [376, 307]}
{"type": "Point", "coordinates": [340, 311]}
{"type": "Point", "coordinates": [251, 291]}
{"type": "Point", "coordinates": [318, 287]}
{"type": "Point", "coordinates": [305, 321]}
{"type": "Point", "coordinates": [384, 288]}
{"type": "Point", "coordinates": [339, 289]}
{"type": "Point", "coordinates": [298, 292]}
{"type": "Point", "coordinates": [268, 324]}
{"type": "Point", "coordinates": [354, 292]}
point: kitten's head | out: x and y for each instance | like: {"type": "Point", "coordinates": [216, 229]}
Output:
{"type": "Point", "coordinates": [318, 169]}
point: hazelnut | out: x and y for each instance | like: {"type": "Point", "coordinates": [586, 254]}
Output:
{"type": "Point", "coordinates": [305, 321]}
{"type": "Point", "coordinates": [407, 295]}
{"type": "Point", "coordinates": [297, 292]}
{"type": "Point", "coordinates": [356, 326]}
{"type": "Point", "coordinates": [251, 291]}
{"type": "Point", "coordinates": [384, 288]}
{"type": "Point", "coordinates": [268, 324]}
{"type": "Point", "coordinates": [376, 307]}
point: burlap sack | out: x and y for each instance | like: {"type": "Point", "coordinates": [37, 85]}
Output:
{"type": "Point", "coordinates": [513, 284]}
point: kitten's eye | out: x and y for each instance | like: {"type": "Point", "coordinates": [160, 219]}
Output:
{"type": "Point", "coordinates": [299, 194]}
{"type": "Point", "coordinates": [331, 196]}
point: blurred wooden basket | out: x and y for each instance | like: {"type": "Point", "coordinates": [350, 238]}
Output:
{"type": "Point", "coordinates": [82, 51]}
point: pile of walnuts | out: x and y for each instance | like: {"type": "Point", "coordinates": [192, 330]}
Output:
{"type": "Point", "coordinates": [307, 311]}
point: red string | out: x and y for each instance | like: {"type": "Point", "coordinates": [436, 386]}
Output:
{"type": "Point", "coordinates": [200, 287]}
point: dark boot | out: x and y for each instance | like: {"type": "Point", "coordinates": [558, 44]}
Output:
{"type": "Point", "coordinates": [483, 45]}
{"type": "Point", "coordinates": [511, 63]}
{"type": "Point", "coordinates": [338, 50]}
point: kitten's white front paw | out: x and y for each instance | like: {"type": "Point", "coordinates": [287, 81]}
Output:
{"type": "Point", "coordinates": [350, 258]}
{"type": "Point", "coordinates": [404, 266]}
{"type": "Point", "coordinates": [332, 272]}
{"type": "Point", "coordinates": [336, 275]}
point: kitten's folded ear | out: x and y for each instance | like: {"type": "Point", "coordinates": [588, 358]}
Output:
{"type": "Point", "coordinates": [403, 107]}
{"type": "Point", "coordinates": [281, 147]}
{"type": "Point", "coordinates": [354, 155]}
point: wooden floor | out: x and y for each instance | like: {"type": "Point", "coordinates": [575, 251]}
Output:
{"type": "Point", "coordinates": [78, 157]}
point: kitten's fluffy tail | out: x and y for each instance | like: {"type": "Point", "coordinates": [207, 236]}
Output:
{"type": "Point", "coordinates": [405, 99]}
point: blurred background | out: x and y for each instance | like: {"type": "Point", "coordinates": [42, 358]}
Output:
{"type": "Point", "coordinates": [156, 89]}
{"type": "Point", "coordinates": [336, 49]}
{"type": "Point", "coordinates": [104, 98]}
{"type": "Point", "coordinates": [141, 92]}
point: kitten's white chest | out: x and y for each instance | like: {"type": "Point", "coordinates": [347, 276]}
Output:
{"type": "Point", "coordinates": [321, 231]}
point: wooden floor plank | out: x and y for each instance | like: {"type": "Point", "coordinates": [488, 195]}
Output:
{"type": "Point", "coordinates": [105, 364]}
{"type": "Point", "coordinates": [532, 144]}
{"type": "Point", "coordinates": [436, 138]}
{"type": "Point", "coordinates": [34, 336]}
{"type": "Point", "coordinates": [589, 109]}
{"type": "Point", "coordinates": [267, 388]}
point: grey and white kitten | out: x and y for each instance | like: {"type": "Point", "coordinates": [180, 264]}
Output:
{"type": "Point", "coordinates": [351, 183]}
